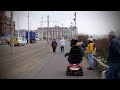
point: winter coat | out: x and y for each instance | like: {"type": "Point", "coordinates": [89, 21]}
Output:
{"type": "Point", "coordinates": [90, 48]}
{"type": "Point", "coordinates": [75, 54]}
{"type": "Point", "coordinates": [54, 44]}
{"type": "Point", "coordinates": [114, 50]}
{"type": "Point", "coordinates": [62, 42]}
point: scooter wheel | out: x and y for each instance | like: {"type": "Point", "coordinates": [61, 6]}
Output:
{"type": "Point", "coordinates": [67, 73]}
{"type": "Point", "coordinates": [80, 72]}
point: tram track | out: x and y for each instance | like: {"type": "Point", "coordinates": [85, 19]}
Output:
{"type": "Point", "coordinates": [36, 66]}
{"type": "Point", "coordinates": [25, 65]}
{"type": "Point", "coordinates": [20, 50]}
{"type": "Point", "coordinates": [5, 65]}
{"type": "Point", "coordinates": [21, 54]}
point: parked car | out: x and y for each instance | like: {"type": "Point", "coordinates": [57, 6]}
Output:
{"type": "Point", "coordinates": [21, 41]}
{"type": "Point", "coordinates": [18, 41]}
{"type": "Point", "coordinates": [37, 38]}
{"type": "Point", "coordinates": [24, 41]}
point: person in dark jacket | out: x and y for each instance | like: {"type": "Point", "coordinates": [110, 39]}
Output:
{"type": "Point", "coordinates": [75, 56]}
{"type": "Point", "coordinates": [73, 41]}
{"type": "Point", "coordinates": [113, 57]}
{"type": "Point", "coordinates": [54, 45]}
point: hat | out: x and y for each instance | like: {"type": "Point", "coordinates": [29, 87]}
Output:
{"type": "Point", "coordinates": [90, 39]}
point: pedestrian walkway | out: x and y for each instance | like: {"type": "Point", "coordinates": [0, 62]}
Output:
{"type": "Point", "coordinates": [54, 67]}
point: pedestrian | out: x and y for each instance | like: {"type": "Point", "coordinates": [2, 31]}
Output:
{"type": "Point", "coordinates": [62, 44]}
{"type": "Point", "coordinates": [82, 45]}
{"type": "Point", "coordinates": [73, 41]}
{"type": "Point", "coordinates": [54, 45]}
{"type": "Point", "coordinates": [8, 41]}
{"type": "Point", "coordinates": [113, 57]}
{"type": "Point", "coordinates": [75, 56]}
{"type": "Point", "coordinates": [4, 42]}
{"type": "Point", "coordinates": [90, 51]}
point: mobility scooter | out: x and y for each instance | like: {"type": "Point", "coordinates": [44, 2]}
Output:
{"type": "Point", "coordinates": [75, 58]}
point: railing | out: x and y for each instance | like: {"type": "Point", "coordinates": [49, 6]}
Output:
{"type": "Point", "coordinates": [99, 65]}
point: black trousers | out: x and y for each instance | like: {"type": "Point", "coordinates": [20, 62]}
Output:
{"type": "Point", "coordinates": [62, 48]}
{"type": "Point", "coordinates": [54, 49]}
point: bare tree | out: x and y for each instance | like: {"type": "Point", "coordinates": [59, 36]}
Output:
{"type": "Point", "coordinates": [83, 38]}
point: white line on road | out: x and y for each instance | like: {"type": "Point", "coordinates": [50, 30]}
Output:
{"type": "Point", "coordinates": [34, 66]}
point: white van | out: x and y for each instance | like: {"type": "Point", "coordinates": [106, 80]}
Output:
{"type": "Point", "coordinates": [24, 41]}
{"type": "Point", "coordinates": [21, 41]}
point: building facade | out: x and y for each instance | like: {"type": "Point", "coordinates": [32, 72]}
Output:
{"type": "Point", "coordinates": [5, 24]}
{"type": "Point", "coordinates": [55, 32]}
{"type": "Point", "coordinates": [20, 33]}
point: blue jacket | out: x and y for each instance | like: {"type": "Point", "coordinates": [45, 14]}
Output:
{"type": "Point", "coordinates": [114, 51]}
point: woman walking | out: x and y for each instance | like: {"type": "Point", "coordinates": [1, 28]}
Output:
{"type": "Point", "coordinates": [54, 45]}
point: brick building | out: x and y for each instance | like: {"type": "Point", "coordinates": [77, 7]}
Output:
{"type": "Point", "coordinates": [5, 24]}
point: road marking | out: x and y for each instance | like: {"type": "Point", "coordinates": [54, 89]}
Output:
{"type": "Point", "coordinates": [22, 54]}
{"type": "Point", "coordinates": [34, 66]}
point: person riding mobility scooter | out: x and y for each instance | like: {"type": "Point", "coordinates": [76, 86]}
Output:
{"type": "Point", "coordinates": [75, 58]}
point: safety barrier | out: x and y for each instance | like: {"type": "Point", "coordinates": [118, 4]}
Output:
{"type": "Point", "coordinates": [99, 65]}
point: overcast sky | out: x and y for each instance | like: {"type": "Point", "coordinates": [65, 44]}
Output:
{"type": "Point", "coordinates": [88, 22]}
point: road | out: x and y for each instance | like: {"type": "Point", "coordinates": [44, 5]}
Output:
{"type": "Point", "coordinates": [37, 61]}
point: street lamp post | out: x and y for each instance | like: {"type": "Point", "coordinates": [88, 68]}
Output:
{"type": "Point", "coordinates": [28, 29]}
{"type": "Point", "coordinates": [42, 28]}
{"type": "Point", "coordinates": [30, 25]}
{"type": "Point", "coordinates": [71, 30]}
{"type": "Point", "coordinates": [12, 34]}
{"type": "Point", "coordinates": [18, 25]}
{"type": "Point", "coordinates": [75, 24]}
{"type": "Point", "coordinates": [48, 29]}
